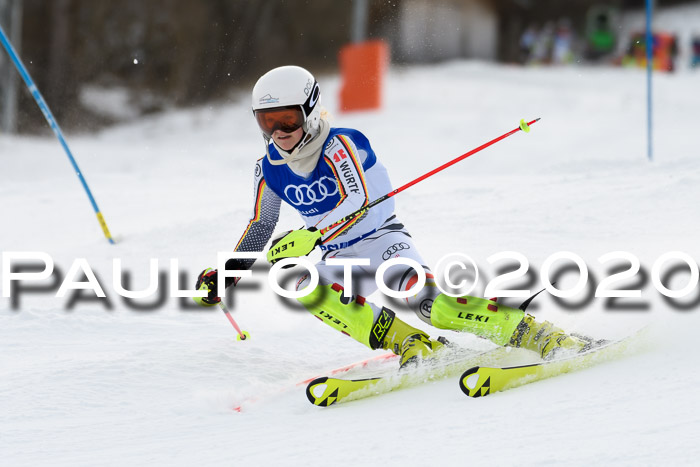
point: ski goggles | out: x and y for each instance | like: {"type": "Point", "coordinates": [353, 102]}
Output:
{"type": "Point", "coordinates": [286, 119]}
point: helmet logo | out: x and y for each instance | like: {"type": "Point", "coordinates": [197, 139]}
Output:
{"type": "Point", "coordinates": [268, 99]}
{"type": "Point", "coordinates": [315, 93]}
{"type": "Point", "coordinates": [307, 88]}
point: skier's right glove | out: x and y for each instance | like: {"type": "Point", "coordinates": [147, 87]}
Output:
{"type": "Point", "coordinates": [294, 244]}
{"type": "Point", "coordinates": [208, 281]}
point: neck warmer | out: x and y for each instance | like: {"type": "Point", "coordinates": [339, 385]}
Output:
{"type": "Point", "coordinates": [304, 158]}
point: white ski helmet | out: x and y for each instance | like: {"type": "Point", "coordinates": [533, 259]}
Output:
{"type": "Point", "coordinates": [290, 87]}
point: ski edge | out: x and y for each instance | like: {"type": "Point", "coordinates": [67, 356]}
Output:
{"type": "Point", "coordinates": [587, 360]}
{"type": "Point", "coordinates": [346, 390]}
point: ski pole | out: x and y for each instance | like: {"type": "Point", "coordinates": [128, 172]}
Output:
{"type": "Point", "coordinates": [242, 335]}
{"type": "Point", "coordinates": [54, 126]}
{"type": "Point", "coordinates": [362, 364]}
{"type": "Point", "coordinates": [523, 127]}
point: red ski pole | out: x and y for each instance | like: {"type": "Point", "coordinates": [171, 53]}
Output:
{"type": "Point", "coordinates": [523, 127]}
{"type": "Point", "coordinates": [242, 335]}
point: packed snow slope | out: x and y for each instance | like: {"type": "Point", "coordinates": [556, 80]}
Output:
{"type": "Point", "coordinates": [89, 382]}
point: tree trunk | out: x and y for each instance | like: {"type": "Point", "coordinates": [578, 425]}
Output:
{"type": "Point", "coordinates": [61, 90]}
{"type": "Point", "coordinates": [11, 22]}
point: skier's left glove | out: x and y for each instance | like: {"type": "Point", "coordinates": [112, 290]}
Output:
{"type": "Point", "coordinates": [293, 244]}
{"type": "Point", "coordinates": [208, 281]}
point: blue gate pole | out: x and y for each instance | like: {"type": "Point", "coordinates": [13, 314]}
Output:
{"type": "Point", "coordinates": [54, 126]}
{"type": "Point", "coordinates": [650, 56]}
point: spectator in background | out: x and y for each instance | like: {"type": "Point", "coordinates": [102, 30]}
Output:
{"type": "Point", "coordinates": [527, 43]}
{"type": "Point", "coordinates": [563, 39]}
{"type": "Point", "coordinates": [601, 39]}
{"type": "Point", "coordinates": [542, 48]}
{"type": "Point", "coordinates": [695, 59]}
{"type": "Point", "coordinates": [664, 50]}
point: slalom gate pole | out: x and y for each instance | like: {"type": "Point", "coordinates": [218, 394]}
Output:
{"type": "Point", "coordinates": [523, 127]}
{"type": "Point", "coordinates": [242, 335]}
{"type": "Point", "coordinates": [54, 126]}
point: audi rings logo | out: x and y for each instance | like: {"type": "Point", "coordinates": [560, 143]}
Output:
{"type": "Point", "coordinates": [305, 195]}
{"type": "Point", "coordinates": [395, 248]}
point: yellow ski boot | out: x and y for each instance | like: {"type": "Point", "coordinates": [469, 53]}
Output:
{"type": "Point", "coordinates": [413, 345]}
{"type": "Point", "coordinates": [546, 339]}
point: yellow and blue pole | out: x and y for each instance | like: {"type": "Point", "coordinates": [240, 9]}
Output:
{"type": "Point", "coordinates": [54, 126]}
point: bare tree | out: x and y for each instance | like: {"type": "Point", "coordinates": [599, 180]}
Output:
{"type": "Point", "coordinates": [11, 21]}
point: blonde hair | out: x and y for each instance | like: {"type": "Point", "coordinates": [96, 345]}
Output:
{"type": "Point", "coordinates": [326, 115]}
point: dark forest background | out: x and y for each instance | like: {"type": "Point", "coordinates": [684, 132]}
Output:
{"type": "Point", "coordinates": [186, 51]}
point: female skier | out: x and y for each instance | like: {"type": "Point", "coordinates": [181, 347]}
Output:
{"type": "Point", "coordinates": [326, 174]}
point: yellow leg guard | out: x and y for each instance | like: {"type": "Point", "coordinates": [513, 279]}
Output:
{"type": "Point", "coordinates": [354, 317]}
{"type": "Point", "coordinates": [478, 316]}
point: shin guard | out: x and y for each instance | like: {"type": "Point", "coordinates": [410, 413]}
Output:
{"type": "Point", "coordinates": [478, 316]}
{"type": "Point", "coordinates": [352, 316]}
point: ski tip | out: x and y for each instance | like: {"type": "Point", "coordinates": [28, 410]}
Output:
{"type": "Point", "coordinates": [472, 385]}
{"type": "Point", "coordinates": [311, 389]}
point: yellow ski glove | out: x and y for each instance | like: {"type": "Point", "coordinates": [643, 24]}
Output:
{"type": "Point", "coordinates": [293, 244]}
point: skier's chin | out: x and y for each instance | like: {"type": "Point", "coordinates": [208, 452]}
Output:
{"type": "Point", "coordinates": [285, 143]}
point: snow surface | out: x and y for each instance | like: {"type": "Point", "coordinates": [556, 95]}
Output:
{"type": "Point", "coordinates": [88, 385]}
